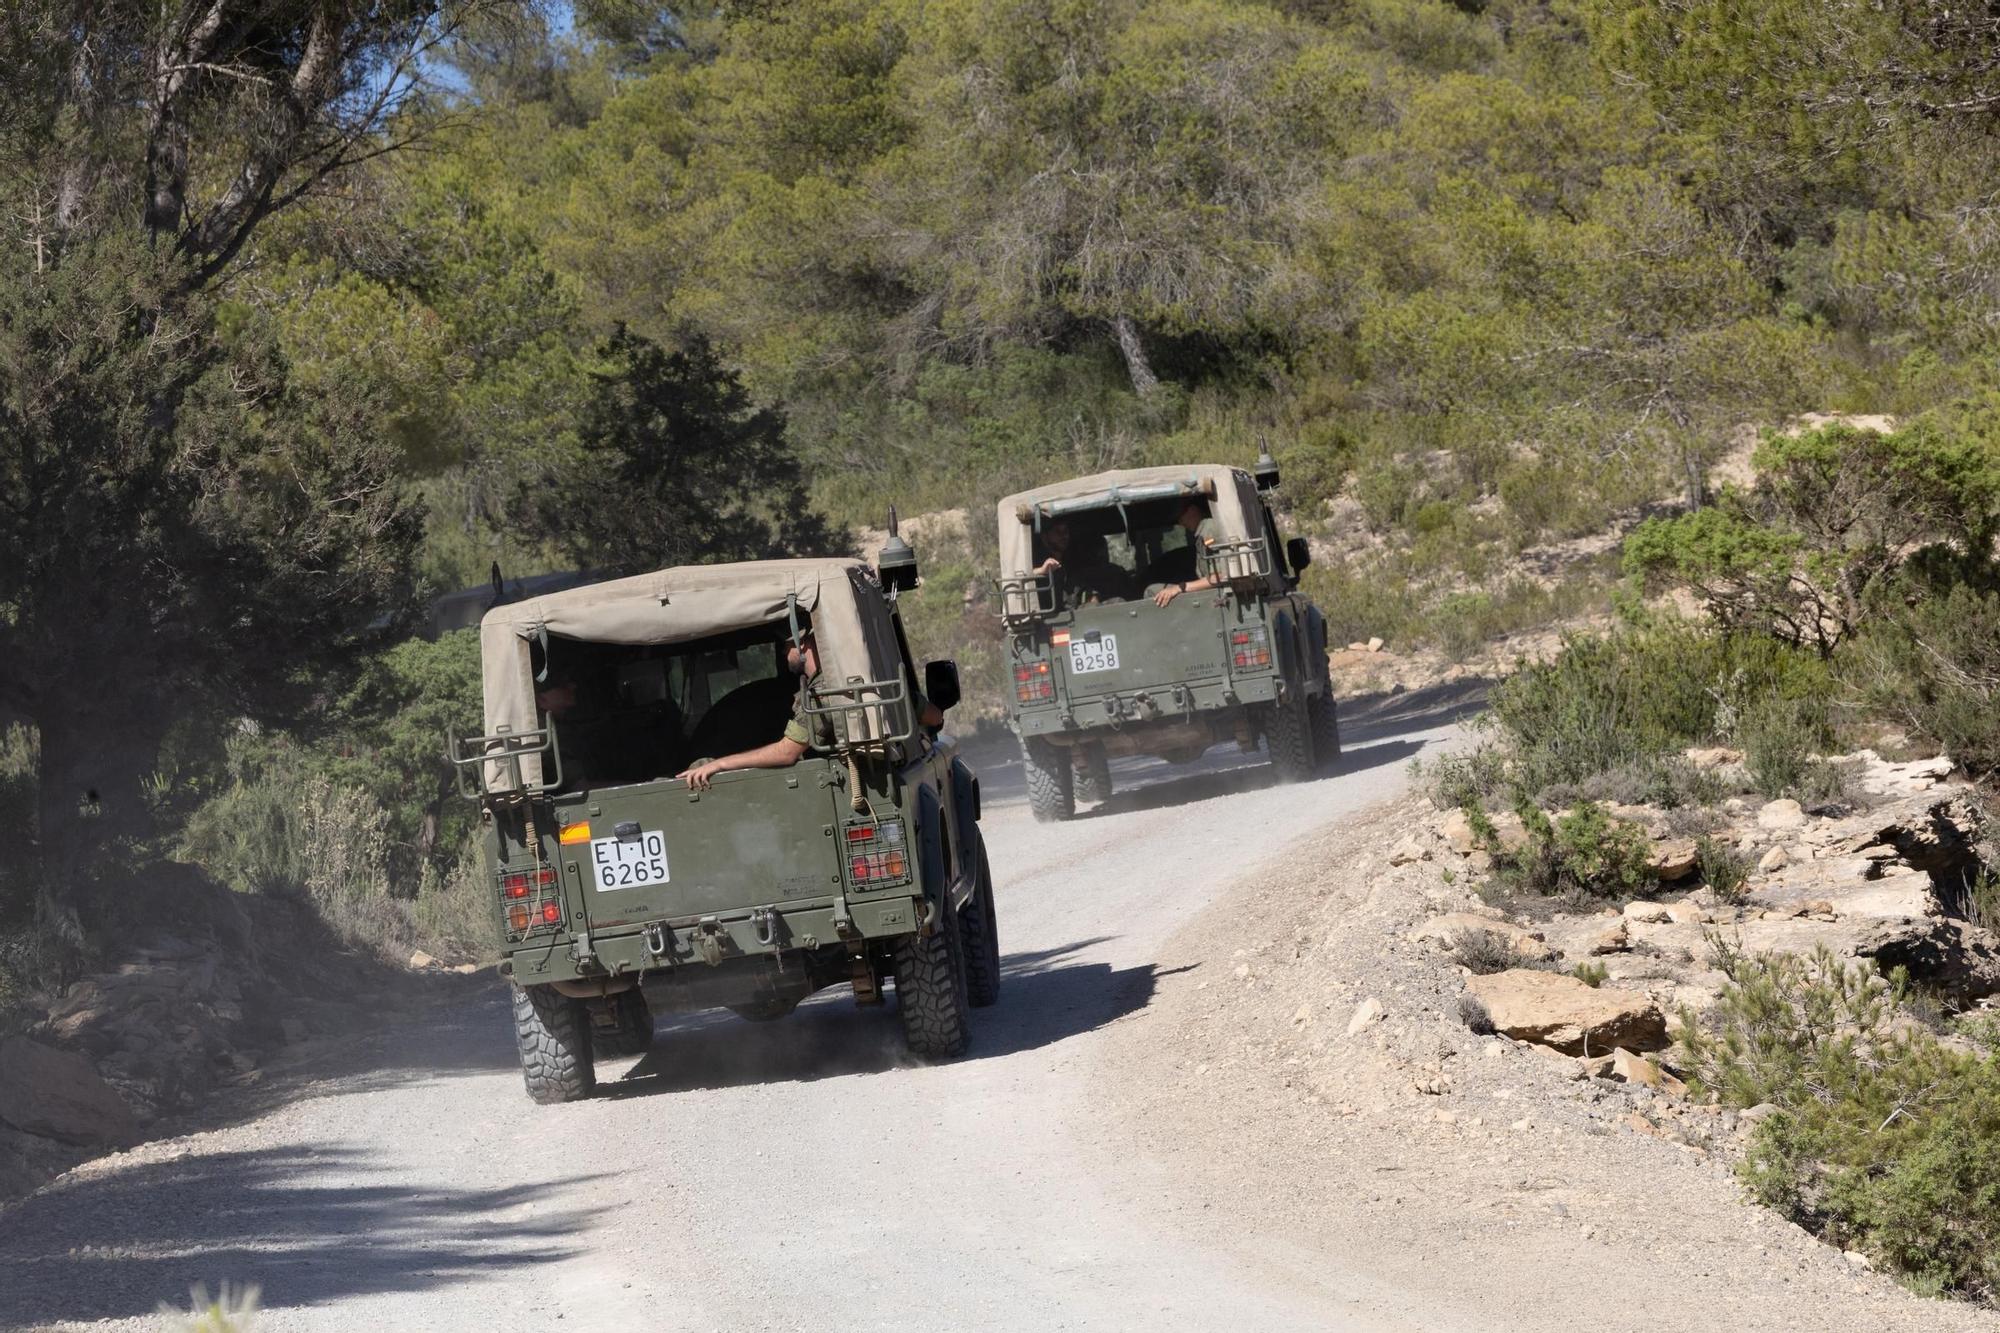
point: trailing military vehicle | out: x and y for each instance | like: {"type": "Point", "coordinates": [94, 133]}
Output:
{"type": "Point", "coordinates": [1155, 611]}
{"type": "Point", "coordinates": [620, 890]}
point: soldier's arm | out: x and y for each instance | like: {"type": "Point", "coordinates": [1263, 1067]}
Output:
{"type": "Point", "coordinates": [780, 753]}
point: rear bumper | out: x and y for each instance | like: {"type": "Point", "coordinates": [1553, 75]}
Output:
{"type": "Point", "coordinates": [1165, 704]}
{"type": "Point", "coordinates": [717, 941]}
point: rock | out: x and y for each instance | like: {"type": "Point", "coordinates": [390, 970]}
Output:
{"type": "Point", "coordinates": [1904, 896]}
{"type": "Point", "coordinates": [1781, 814]}
{"type": "Point", "coordinates": [1302, 1015]}
{"type": "Point", "coordinates": [1408, 851]}
{"type": "Point", "coordinates": [1775, 859]}
{"type": "Point", "coordinates": [1559, 1011]}
{"type": "Point", "coordinates": [466, 969]}
{"type": "Point", "coordinates": [1753, 1115]}
{"type": "Point", "coordinates": [1452, 926]}
{"type": "Point", "coordinates": [1456, 830]}
{"type": "Point", "coordinates": [1596, 1066]}
{"type": "Point", "coordinates": [1686, 913]}
{"type": "Point", "coordinates": [1374, 644]}
{"type": "Point", "coordinates": [420, 960]}
{"type": "Point", "coordinates": [1629, 1068]}
{"type": "Point", "coordinates": [1614, 938]}
{"type": "Point", "coordinates": [1648, 913]}
{"type": "Point", "coordinates": [1858, 1261]}
{"type": "Point", "coordinates": [58, 1095]}
{"type": "Point", "coordinates": [1369, 1011]}
{"type": "Point", "coordinates": [1714, 757]}
{"type": "Point", "coordinates": [1444, 1117]}
{"type": "Point", "coordinates": [1357, 647]}
{"type": "Point", "coordinates": [1951, 956]}
{"type": "Point", "coordinates": [1675, 860]}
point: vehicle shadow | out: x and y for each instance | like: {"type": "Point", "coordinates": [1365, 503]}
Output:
{"type": "Point", "coordinates": [114, 1244]}
{"type": "Point", "coordinates": [1045, 997]}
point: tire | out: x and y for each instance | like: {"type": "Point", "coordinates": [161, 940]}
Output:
{"type": "Point", "coordinates": [1051, 789]}
{"type": "Point", "coordinates": [1288, 732]}
{"type": "Point", "coordinates": [553, 1032]}
{"type": "Point", "coordinates": [979, 940]}
{"type": "Point", "coordinates": [1326, 726]}
{"type": "Point", "coordinates": [931, 993]}
{"type": "Point", "coordinates": [763, 1011]}
{"type": "Point", "coordinates": [629, 1030]}
{"type": "Point", "coordinates": [1093, 781]}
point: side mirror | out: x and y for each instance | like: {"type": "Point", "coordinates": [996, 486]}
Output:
{"type": "Point", "coordinates": [941, 683]}
{"type": "Point", "coordinates": [1298, 554]}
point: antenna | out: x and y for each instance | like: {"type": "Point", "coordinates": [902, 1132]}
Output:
{"type": "Point", "coordinates": [1267, 469]}
{"type": "Point", "coordinates": [896, 566]}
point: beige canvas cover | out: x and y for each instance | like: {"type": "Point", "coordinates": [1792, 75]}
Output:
{"type": "Point", "coordinates": [850, 622]}
{"type": "Point", "coordinates": [1231, 491]}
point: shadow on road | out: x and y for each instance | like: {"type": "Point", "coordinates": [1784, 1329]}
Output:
{"type": "Point", "coordinates": [114, 1245]}
{"type": "Point", "coordinates": [1046, 997]}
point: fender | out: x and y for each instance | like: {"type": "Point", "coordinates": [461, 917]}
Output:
{"type": "Point", "coordinates": [1315, 645]}
{"type": "Point", "coordinates": [929, 830]}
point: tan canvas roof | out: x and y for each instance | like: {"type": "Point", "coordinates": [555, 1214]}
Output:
{"type": "Point", "coordinates": [1232, 493]}
{"type": "Point", "coordinates": [850, 622]}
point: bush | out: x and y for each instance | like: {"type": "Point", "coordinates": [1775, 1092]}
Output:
{"type": "Point", "coordinates": [1592, 975]}
{"type": "Point", "coordinates": [1585, 853]}
{"type": "Point", "coordinates": [1484, 952]}
{"type": "Point", "coordinates": [1931, 662]}
{"type": "Point", "coordinates": [1725, 870]}
{"type": "Point", "coordinates": [1781, 740]}
{"type": "Point", "coordinates": [1884, 1141]}
{"type": "Point", "coordinates": [1640, 693]}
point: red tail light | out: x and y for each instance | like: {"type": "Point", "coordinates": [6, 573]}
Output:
{"type": "Point", "coordinates": [1032, 683]}
{"type": "Point", "coordinates": [875, 854]}
{"type": "Point", "coordinates": [1250, 647]}
{"type": "Point", "coordinates": [533, 901]}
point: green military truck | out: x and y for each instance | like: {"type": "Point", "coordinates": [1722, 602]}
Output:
{"type": "Point", "coordinates": [1099, 668]}
{"type": "Point", "coordinates": [620, 891]}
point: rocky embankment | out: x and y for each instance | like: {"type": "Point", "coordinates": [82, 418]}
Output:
{"type": "Point", "coordinates": [209, 1000]}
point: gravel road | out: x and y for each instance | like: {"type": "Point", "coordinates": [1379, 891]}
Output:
{"type": "Point", "coordinates": [797, 1175]}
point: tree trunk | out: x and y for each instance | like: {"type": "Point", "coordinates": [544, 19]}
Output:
{"type": "Point", "coordinates": [1144, 382]}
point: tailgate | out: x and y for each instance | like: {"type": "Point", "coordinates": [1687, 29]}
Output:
{"type": "Point", "coordinates": [1124, 648]}
{"type": "Point", "coordinates": [758, 837]}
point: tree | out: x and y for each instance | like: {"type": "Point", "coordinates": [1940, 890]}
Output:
{"type": "Point", "coordinates": [675, 467]}
{"type": "Point", "coordinates": [180, 525]}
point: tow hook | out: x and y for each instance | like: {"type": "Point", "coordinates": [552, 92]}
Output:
{"type": "Point", "coordinates": [708, 941]}
{"type": "Point", "coordinates": [764, 922]}
{"type": "Point", "coordinates": [656, 939]}
{"type": "Point", "coordinates": [928, 921]}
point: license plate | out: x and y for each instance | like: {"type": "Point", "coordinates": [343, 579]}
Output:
{"type": "Point", "coordinates": [1087, 656]}
{"type": "Point", "coordinates": [620, 864]}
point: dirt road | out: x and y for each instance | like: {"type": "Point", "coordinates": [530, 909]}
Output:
{"type": "Point", "coordinates": [795, 1175]}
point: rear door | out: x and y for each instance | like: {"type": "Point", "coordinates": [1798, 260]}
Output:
{"type": "Point", "coordinates": [1131, 646]}
{"type": "Point", "coordinates": [758, 837]}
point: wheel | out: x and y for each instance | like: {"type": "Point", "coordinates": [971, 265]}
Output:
{"type": "Point", "coordinates": [979, 940]}
{"type": "Point", "coordinates": [1092, 781]}
{"type": "Point", "coordinates": [763, 1011]}
{"type": "Point", "coordinates": [1326, 725]}
{"type": "Point", "coordinates": [931, 992]}
{"type": "Point", "coordinates": [621, 1024]}
{"type": "Point", "coordinates": [1288, 732]}
{"type": "Point", "coordinates": [1051, 790]}
{"type": "Point", "coordinates": [553, 1032]}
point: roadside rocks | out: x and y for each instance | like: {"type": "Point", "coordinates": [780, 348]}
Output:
{"type": "Point", "coordinates": [1564, 1013]}
{"type": "Point", "coordinates": [57, 1095]}
{"type": "Point", "coordinates": [1674, 860]}
{"type": "Point", "coordinates": [1452, 927]}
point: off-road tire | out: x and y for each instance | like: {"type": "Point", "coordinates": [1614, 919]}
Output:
{"type": "Point", "coordinates": [931, 992]}
{"type": "Point", "coordinates": [763, 1011]}
{"type": "Point", "coordinates": [631, 1030]}
{"type": "Point", "coordinates": [1326, 726]}
{"type": "Point", "coordinates": [1092, 782]}
{"type": "Point", "coordinates": [1051, 786]}
{"type": "Point", "coordinates": [1288, 732]}
{"type": "Point", "coordinates": [553, 1032]}
{"type": "Point", "coordinates": [979, 940]}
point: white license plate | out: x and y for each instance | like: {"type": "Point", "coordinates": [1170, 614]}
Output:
{"type": "Point", "coordinates": [618, 864]}
{"type": "Point", "coordinates": [1100, 656]}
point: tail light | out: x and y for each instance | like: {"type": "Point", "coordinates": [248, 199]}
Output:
{"type": "Point", "coordinates": [1033, 684]}
{"type": "Point", "coordinates": [1250, 646]}
{"type": "Point", "coordinates": [532, 901]}
{"type": "Point", "coordinates": [876, 856]}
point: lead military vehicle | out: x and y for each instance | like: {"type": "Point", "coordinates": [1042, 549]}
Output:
{"type": "Point", "coordinates": [1099, 670]}
{"type": "Point", "coordinates": [619, 891]}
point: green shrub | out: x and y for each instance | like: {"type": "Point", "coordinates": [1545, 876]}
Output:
{"type": "Point", "coordinates": [1584, 853]}
{"type": "Point", "coordinates": [1639, 693]}
{"type": "Point", "coordinates": [1931, 662]}
{"type": "Point", "coordinates": [1484, 952]}
{"type": "Point", "coordinates": [1463, 781]}
{"type": "Point", "coordinates": [1884, 1141]}
{"type": "Point", "coordinates": [1725, 870]}
{"type": "Point", "coordinates": [1592, 975]}
{"type": "Point", "coordinates": [1781, 740]}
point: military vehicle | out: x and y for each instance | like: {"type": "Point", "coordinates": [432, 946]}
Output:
{"type": "Point", "coordinates": [1099, 669]}
{"type": "Point", "coordinates": [620, 890]}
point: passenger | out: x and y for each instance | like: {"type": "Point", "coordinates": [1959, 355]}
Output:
{"type": "Point", "coordinates": [1182, 566]}
{"type": "Point", "coordinates": [803, 732]}
{"type": "Point", "coordinates": [1088, 574]}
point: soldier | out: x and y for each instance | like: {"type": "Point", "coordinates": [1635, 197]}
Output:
{"type": "Point", "coordinates": [1202, 531]}
{"type": "Point", "coordinates": [801, 733]}
{"type": "Point", "coordinates": [1086, 567]}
